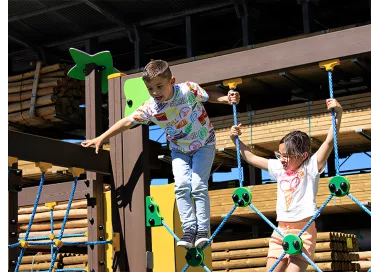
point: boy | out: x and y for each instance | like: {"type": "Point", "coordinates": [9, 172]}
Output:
{"type": "Point", "coordinates": [178, 110]}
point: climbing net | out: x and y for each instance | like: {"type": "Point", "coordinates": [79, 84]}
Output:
{"type": "Point", "coordinates": [55, 242]}
{"type": "Point", "coordinates": [339, 186]}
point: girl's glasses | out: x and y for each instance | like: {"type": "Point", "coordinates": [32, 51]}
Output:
{"type": "Point", "coordinates": [280, 156]}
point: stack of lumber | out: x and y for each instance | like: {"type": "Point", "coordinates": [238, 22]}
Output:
{"type": "Point", "coordinates": [76, 223]}
{"type": "Point", "coordinates": [332, 254]}
{"type": "Point", "coordinates": [364, 260]}
{"type": "Point", "coordinates": [41, 261]}
{"type": "Point", "coordinates": [264, 198]}
{"type": "Point", "coordinates": [270, 125]}
{"type": "Point", "coordinates": [56, 94]}
{"type": "Point", "coordinates": [32, 173]}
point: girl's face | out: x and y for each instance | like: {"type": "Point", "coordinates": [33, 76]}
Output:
{"type": "Point", "coordinates": [289, 161]}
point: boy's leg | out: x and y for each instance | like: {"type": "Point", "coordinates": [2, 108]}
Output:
{"type": "Point", "coordinates": [280, 267]}
{"type": "Point", "coordinates": [297, 265]}
{"type": "Point", "coordinates": [201, 166]}
{"type": "Point", "coordinates": [181, 164]}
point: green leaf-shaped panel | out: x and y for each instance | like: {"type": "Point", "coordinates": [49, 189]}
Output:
{"type": "Point", "coordinates": [135, 93]}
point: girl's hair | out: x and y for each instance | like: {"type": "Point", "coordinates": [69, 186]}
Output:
{"type": "Point", "coordinates": [297, 143]}
{"type": "Point", "coordinates": [156, 68]}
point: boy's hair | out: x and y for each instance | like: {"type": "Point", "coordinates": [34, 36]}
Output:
{"type": "Point", "coordinates": [156, 68]}
{"type": "Point", "coordinates": [297, 143]}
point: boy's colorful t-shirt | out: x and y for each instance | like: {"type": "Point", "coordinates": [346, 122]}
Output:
{"type": "Point", "coordinates": [183, 117]}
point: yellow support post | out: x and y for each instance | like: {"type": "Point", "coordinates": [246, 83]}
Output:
{"type": "Point", "coordinates": [44, 166]}
{"type": "Point", "coordinates": [109, 234]}
{"type": "Point", "coordinates": [167, 257]}
{"type": "Point", "coordinates": [329, 64]}
{"type": "Point", "coordinates": [11, 161]}
{"type": "Point", "coordinates": [232, 83]}
{"type": "Point", "coordinates": [115, 75]}
{"type": "Point", "coordinates": [76, 172]}
{"type": "Point", "coordinates": [51, 205]}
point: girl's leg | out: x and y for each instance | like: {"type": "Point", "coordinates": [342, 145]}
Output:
{"type": "Point", "coordinates": [201, 166]}
{"type": "Point", "coordinates": [181, 164]}
{"type": "Point", "coordinates": [297, 265]}
{"type": "Point", "coordinates": [280, 267]}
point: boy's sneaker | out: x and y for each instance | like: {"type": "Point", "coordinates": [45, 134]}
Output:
{"type": "Point", "coordinates": [187, 240]}
{"type": "Point", "coordinates": [201, 239]}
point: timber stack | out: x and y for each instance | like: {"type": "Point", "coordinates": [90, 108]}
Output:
{"type": "Point", "coordinates": [335, 251]}
{"type": "Point", "coordinates": [38, 257]}
{"type": "Point", "coordinates": [56, 94]}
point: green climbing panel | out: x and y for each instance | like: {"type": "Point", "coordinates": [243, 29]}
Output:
{"type": "Point", "coordinates": [242, 197]}
{"type": "Point", "coordinates": [102, 59]}
{"type": "Point", "coordinates": [194, 257]}
{"type": "Point", "coordinates": [292, 244]}
{"type": "Point", "coordinates": [153, 217]}
{"type": "Point", "coordinates": [339, 186]}
{"type": "Point", "coordinates": [135, 93]}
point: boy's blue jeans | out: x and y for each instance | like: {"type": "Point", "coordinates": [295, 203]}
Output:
{"type": "Point", "coordinates": [191, 173]}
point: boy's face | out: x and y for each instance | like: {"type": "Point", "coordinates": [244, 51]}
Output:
{"type": "Point", "coordinates": [289, 161]}
{"type": "Point", "coordinates": [161, 89]}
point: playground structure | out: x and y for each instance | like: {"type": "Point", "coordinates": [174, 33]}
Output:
{"type": "Point", "coordinates": [130, 174]}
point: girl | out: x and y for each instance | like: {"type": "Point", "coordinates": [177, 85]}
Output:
{"type": "Point", "coordinates": [297, 174]}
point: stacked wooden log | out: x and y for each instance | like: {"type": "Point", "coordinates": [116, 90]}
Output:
{"type": "Point", "coordinates": [270, 125]}
{"type": "Point", "coordinates": [76, 223]}
{"type": "Point", "coordinates": [364, 260]}
{"type": "Point", "coordinates": [56, 94]}
{"type": "Point", "coordinates": [42, 261]}
{"type": "Point", "coordinates": [332, 254]}
{"type": "Point", "coordinates": [264, 198]}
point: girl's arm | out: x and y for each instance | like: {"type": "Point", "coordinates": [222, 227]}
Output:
{"type": "Point", "coordinates": [328, 145]}
{"type": "Point", "coordinates": [246, 153]}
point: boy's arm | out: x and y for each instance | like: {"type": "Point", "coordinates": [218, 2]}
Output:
{"type": "Point", "coordinates": [219, 97]}
{"type": "Point", "coordinates": [116, 128]}
{"type": "Point", "coordinates": [328, 145]}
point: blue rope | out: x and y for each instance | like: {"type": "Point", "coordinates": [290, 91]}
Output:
{"type": "Point", "coordinates": [185, 268]}
{"type": "Point", "coordinates": [369, 270]}
{"type": "Point", "coordinates": [41, 243]}
{"type": "Point", "coordinates": [266, 219]}
{"type": "Point", "coordinates": [170, 231]}
{"type": "Point", "coordinates": [310, 262]}
{"type": "Point", "coordinates": [14, 245]}
{"type": "Point", "coordinates": [51, 230]}
{"type": "Point", "coordinates": [237, 145]}
{"type": "Point", "coordinates": [88, 243]}
{"type": "Point", "coordinates": [278, 261]}
{"type": "Point", "coordinates": [70, 269]}
{"type": "Point", "coordinates": [315, 215]}
{"type": "Point", "coordinates": [31, 219]}
{"type": "Point", "coordinates": [219, 228]}
{"type": "Point", "coordinates": [54, 256]}
{"type": "Point", "coordinates": [334, 125]}
{"type": "Point", "coordinates": [360, 204]}
{"type": "Point", "coordinates": [47, 237]}
{"type": "Point", "coordinates": [205, 267]}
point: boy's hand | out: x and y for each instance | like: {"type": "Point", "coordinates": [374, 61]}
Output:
{"type": "Point", "coordinates": [235, 131]}
{"type": "Point", "coordinates": [233, 97]}
{"type": "Point", "coordinates": [333, 104]}
{"type": "Point", "coordinates": [96, 142]}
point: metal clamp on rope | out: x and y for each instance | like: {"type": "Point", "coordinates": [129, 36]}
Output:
{"type": "Point", "coordinates": [58, 243]}
{"type": "Point", "coordinates": [24, 244]}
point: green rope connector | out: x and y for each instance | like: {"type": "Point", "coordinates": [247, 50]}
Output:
{"type": "Point", "coordinates": [339, 186]}
{"type": "Point", "coordinates": [242, 197]}
{"type": "Point", "coordinates": [194, 257]}
{"type": "Point", "coordinates": [153, 217]}
{"type": "Point", "coordinates": [292, 244]}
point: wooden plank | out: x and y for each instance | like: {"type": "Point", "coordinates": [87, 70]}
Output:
{"type": "Point", "coordinates": [34, 89]}
{"type": "Point", "coordinates": [136, 188]}
{"type": "Point", "coordinates": [35, 148]}
{"type": "Point", "coordinates": [117, 184]}
{"type": "Point", "coordinates": [338, 44]}
{"type": "Point", "coordinates": [95, 209]}
{"type": "Point", "coordinates": [52, 192]}
{"type": "Point", "coordinates": [12, 223]}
